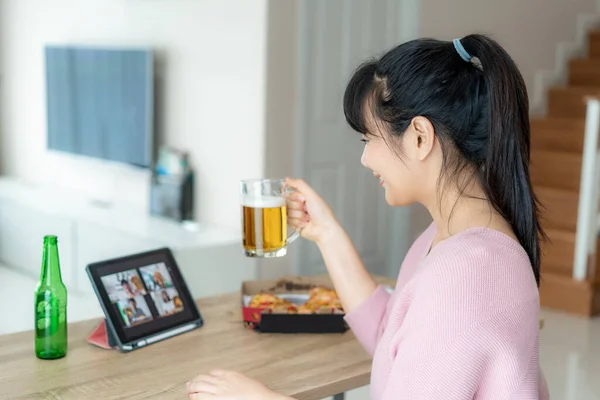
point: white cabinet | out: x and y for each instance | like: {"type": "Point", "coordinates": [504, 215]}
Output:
{"type": "Point", "coordinates": [210, 258]}
{"type": "Point", "coordinates": [22, 230]}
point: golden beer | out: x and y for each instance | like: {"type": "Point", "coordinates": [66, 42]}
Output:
{"type": "Point", "coordinates": [264, 221]}
{"type": "Point", "coordinates": [264, 218]}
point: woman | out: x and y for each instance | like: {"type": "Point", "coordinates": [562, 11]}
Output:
{"type": "Point", "coordinates": [445, 124]}
{"type": "Point", "coordinates": [168, 306]}
{"type": "Point", "coordinates": [129, 291]}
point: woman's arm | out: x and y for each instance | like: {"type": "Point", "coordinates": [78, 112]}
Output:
{"type": "Point", "coordinates": [364, 302]}
{"type": "Point", "coordinates": [350, 277]}
{"type": "Point", "coordinates": [312, 216]}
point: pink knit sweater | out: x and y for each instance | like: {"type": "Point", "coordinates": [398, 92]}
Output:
{"type": "Point", "coordinates": [462, 323]}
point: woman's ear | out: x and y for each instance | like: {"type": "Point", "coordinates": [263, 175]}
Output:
{"type": "Point", "coordinates": [423, 137]}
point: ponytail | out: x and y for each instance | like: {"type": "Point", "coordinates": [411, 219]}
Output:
{"type": "Point", "coordinates": [476, 99]}
{"type": "Point", "coordinates": [505, 171]}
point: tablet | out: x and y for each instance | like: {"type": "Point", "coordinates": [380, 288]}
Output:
{"type": "Point", "coordinates": [144, 297]}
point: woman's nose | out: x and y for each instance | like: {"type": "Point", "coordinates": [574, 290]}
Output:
{"type": "Point", "coordinates": [363, 157]}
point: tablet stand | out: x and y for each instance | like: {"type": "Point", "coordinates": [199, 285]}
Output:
{"type": "Point", "coordinates": [102, 337]}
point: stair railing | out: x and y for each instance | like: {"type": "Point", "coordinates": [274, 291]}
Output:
{"type": "Point", "coordinates": [587, 212]}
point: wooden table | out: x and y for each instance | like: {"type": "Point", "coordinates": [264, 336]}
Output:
{"type": "Point", "coordinates": [304, 366]}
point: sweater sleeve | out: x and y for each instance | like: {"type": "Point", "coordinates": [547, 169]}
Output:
{"type": "Point", "coordinates": [497, 358]}
{"type": "Point", "coordinates": [368, 320]}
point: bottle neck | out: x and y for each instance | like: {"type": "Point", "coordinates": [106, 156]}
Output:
{"type": "Point", "coordinates": [50, 264]}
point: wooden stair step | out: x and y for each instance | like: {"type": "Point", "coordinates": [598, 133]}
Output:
{"type": "Point", "coordinates": [569, 102]}
{"type": "Point", "coordinates": [560, 292]}
{"type": "Point", "coordinates": [594, 44]}
{"type": "Point", "coordinates": [559, 208]}
{"type": "Point", "coordinates": [560, 124]}
{"type": "Point", "coordinates": [558, 252]}
{"type": "Point", "coordinates": [584, 72]}
{"type": "Point", "coordinates": [556, 169]}
{"type": "Point", "coordinates": [596, 272]}
{"type": "Point", "coordinates": [564, 134]}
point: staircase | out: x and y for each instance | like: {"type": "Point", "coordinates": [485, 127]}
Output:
{"type": "Point", "coordinates": [556, 160]}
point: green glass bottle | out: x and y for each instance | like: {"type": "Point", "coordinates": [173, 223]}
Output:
{"type": "Point", "coordinates": [50, 306]}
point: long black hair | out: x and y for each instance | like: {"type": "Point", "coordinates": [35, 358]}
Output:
{"type": "Point", "coordinates": [479, 110]}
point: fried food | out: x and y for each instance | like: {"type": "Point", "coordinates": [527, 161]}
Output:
{"type": "Point", "coordinates": [306, 309]}
{"type": "Point", "coordinates": [320, 298]}
{"type": "Point", "coordinates": [268, 300]}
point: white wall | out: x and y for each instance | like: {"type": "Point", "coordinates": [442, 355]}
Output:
{"type": "Point", "coordinates": [529, 30]}
{"type": "Point", "coordinates": [211, 66]}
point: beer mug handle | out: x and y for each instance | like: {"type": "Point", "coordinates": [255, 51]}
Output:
{"type": "Point", "coordinates": [293, 237]}
{"type": "Point", "coordinates": [296, 234]}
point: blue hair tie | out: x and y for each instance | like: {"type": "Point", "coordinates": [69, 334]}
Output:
{"type": "Point", "coordinates": [461, 50]}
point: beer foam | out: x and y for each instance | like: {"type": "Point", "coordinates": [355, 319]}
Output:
{"type": "Point", "coordinates": [263, 201]}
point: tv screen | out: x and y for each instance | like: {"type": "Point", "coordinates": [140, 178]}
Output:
{"type": "Point", "coordinates": [100, 102]}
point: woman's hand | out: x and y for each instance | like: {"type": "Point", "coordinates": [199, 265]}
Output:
{"type": "Point", "coordinates": [229, 385]}
{"type": "Point", "coordinates": [308, 212]}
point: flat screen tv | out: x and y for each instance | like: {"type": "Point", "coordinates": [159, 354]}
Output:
{"type": "Point", "coordinates": [100, 102]}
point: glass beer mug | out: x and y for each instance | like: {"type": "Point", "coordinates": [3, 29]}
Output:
{"type": "Point", "coordinates": [264, 218]}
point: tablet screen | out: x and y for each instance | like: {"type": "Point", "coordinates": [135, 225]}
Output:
{"type": "Point", "coordinates": [143, 294]}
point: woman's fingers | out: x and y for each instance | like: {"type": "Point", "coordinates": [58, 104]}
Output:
{"type": "Point", "coordinates": [205, 384]}
{"type": "Point", "coordinates": [296, 210]}
{"type": "Point", "coordinates": [295, 205]}
{"type": "Point", "coordinates": [300, 186]}
{"type": "Point", "coordinates": [224, 384]}
{"type": "Point", "coordinates": [297, 224]}
{"type": "Point", "coordinates": [296, 196]}
{"type": "Point", "coordinates": [201, 396]}
{"type": "Point", "coordinates": [200, 386]}
{"type": "Point", "coordinates": [296, 214]}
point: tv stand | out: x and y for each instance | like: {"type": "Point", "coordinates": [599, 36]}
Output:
{"type": "Point", "coordinates": [209, 257]}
